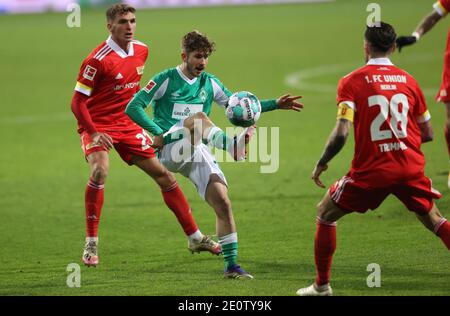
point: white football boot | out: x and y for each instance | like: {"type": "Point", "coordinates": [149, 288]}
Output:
{"type": "Point", "coordinates": [206, 244]}
{"type": "Point", "coordinates": [314, 290]}
{"type": "Point", "coordinates": [90, 256]}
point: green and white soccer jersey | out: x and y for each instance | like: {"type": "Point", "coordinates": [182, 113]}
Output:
{"type": "Point", "coordinates": [175, 97]}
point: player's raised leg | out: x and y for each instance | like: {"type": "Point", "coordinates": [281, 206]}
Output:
{"type": "Point", "coordinates": [176, 201]}
{"type": "Point", "coordinates": [201, 126]}
{"type": "Point", "coordinates": [94, 195]}
{"type": "Point", "coordinates": [217, 196]}
{"type": "Point", "coordinates": [324, 246]}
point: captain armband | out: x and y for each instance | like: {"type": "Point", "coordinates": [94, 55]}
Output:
{"type": "Point", "coordinates": [425, 117]}
{"type": "Point", "coordinates": [345, 112]}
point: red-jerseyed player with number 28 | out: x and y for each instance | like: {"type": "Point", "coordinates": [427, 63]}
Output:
{"type": "Point", "coordinates": [391, 120]}
{"type": "Point", "coordinates": [108, 79]}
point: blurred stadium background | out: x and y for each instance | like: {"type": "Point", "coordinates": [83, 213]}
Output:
{"type": "Point", "coordinates": [295, 47]}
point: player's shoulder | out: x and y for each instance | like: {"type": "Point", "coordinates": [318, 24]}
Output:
{"type": "Point", "coordinates": [139, 43]}
{"type": "Point", "coordinates": [402, 72]}
{"type": "Point", "coordinates": [352, 76]}
{"type": "Point", "coordinates": [207, 75]}
{"type": "Point", "coordinates": [169, 73]}
{"type": "Point", "coordinates": [98, 53]}
{"type": "Point", "coordinates": [140, 47]}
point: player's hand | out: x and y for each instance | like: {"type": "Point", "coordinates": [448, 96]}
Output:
{"type": "Point", "coordinates": [316, 174]}
{"type": "Point", "coordinates": [158, 142]}
{"type": "Point", "coordinates": [405, 41]}
{"type": "Point", "coordinates": [288, 102]}
{"type": "Point", "coordinates": [102, 139]}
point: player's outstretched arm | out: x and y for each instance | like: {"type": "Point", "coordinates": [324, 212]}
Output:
{"type": "Point", "coordinates": [288, 102]}
{"type": "Point", "coordinates": [426, 131]}
{"type": "Point", "coordinates": [285, 102]}
{"type": "Point", "coordinates": [334, 145]}
{"type": "Point", "coordinates": [426, 25]}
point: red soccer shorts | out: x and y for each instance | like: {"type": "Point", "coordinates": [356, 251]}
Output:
{"type": "Point", "coordinates": [444, 91]}
{"type": "Point", "coordinates": [353, 196]}
{"type": "Point", "coordinates": [129, 143]}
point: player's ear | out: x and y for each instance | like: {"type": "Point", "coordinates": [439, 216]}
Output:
{"type": "Point", "coordinates": [366, 47]}
{"type": "Point", "coordinates": [394, 47]}
{"type": "Point", "coordinates": [184, 56]}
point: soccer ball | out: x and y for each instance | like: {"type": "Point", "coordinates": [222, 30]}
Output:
{"type": "Point", "coordinates": [243, 109]}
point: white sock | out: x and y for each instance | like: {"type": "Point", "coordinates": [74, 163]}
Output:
{"type": "Point", "coordinates": [196, 237]}
{"type": "Point", "coordinates": [228, 239]}
{"type": "Point", "coordinates": [92, 239]}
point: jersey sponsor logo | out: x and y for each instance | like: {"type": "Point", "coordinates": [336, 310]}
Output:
{"type": "Point", "coordinates": [89, 73]}
{"type": "Point", "coordinates": [119, 76]}
{"type": "Point", "coordinates": [130, 85]}
{"type": "Point", "coordinates": [183, 111]}
{"type": "Point", "coordinates": [140, 70]}
{"type": "Point", "coordinates": [150, 85]}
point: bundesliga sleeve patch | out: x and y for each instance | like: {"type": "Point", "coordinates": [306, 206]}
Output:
{"type": "Point", "coordinates": [89, 73]}
{"type": "Point", "coordinates": [150, 85]}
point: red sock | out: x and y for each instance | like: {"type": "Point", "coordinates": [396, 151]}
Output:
{"type": "Point", "coordinates": [447, 138]}
{"type": "Point", "coordinates": [443, 231]}
{"type": "Point", "coordinates": [324, 247]}
{"type": "Point", "coordinates": [94, 202]}
{"type": "Point", "coordinates": [176, 201]}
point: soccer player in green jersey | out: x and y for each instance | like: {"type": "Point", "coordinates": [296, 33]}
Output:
{"type": "Point", "coordinates": [182, 96]}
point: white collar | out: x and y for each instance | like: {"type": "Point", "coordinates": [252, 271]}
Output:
{"type": "Point", "coordinates": [110, 42]}
{"type": "Point", "coordinates": [183, 76]}
{"type": "Point", "coordinates": [384, 61]}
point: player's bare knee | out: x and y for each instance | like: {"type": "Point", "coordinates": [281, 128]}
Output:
{"type": "Point", "coordinates": [200, 116]}
{"type": "Point", "coordinates": [223, 205]}
{"type": "Point", "coordinates": [99, 174]}
{"type": "Point", "coordinates": [165, 179]}
{"type": "Point", "coordinates": [321, 209]}
{"type": "Point", "coordinates": [206, 122]}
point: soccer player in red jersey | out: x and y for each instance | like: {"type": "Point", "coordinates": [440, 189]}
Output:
{"type": "Point", "coordinates": [440, 10]}
{"type": "Point", "coordinates": [391, 121]}
{"type": "Point", "coordinates": [108, 79]}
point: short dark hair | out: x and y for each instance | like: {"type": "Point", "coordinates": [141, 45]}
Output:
{"type": "Point", "coordinates": [195, 40]}
{"type": "Point", "coordinates": [381, 38]}
{"type": "Point", "coordinates": [118, 9]}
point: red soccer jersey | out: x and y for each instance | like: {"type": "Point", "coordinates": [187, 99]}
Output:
{"type": "Point", "coordinates": [110, 77]}
{"type": "Point", "coordinates": [388, 105]}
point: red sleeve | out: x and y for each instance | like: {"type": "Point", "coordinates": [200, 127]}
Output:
{"type": "Point", "coordinates": [344, 92]}
{"type": "Point", "coordinates": [89, 76]}
{"type": "Point", "coordinates": [146, 54]}
{"type": "Point", "coordinates": [81, 112]}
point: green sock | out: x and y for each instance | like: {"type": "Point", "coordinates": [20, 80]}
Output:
{"type": "Point", "coordinates": [229, 244]}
